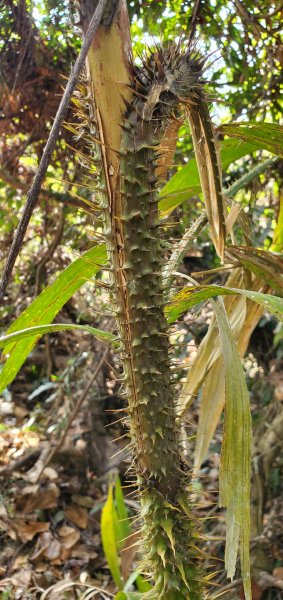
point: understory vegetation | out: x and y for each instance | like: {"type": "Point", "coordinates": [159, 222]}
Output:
{"type": "Point", "coordinates": [141, 300]}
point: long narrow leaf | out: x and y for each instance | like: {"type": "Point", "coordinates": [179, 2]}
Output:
{"type": "Point", "coordinates": [213, 391]}
{"type": "Point", "coordinates": [122, 512]}
{"type": "Point", "coordinates": [235, 455]}
{"type": "Point", "coordinates": [191, 296]}
{"type": "Point", "coordinates": [210, 172]}
{"type": "Point", "coordinates": [209, 350]}
{"type": "Point", "coordinates": [268, 136]}
{"type": "Point", "coordinates": [46, 306]}
{"type": "Point", "coordinates": [109, 539]}
{"type": "Point", "coordinates": [40, 330]}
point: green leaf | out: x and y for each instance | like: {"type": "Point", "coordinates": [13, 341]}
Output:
{"type": "Point", "coordinates": [119, 530]}
{"type": "Point", "coordinates": [122, 512]}
{"type": "Point", "coordinates": [267, 136]}
{"type": "Point", "coordinates": [186, 183]}
{"type": "Point", "coordinates": [190, 296]}
{"type": "Point", "coordinates": [128, 596]}
{"type": "Point", "coordinates": [277, 244]}
{"type": "Point", "coordinates": [142, 584]}
{"type": "Point", "coordinates": [40, 330]}
{"type": "Point", "coordinates": [44, 308]}
{"type": "Point", "coordinates": [109, 539]}
{"type": "Point", "coordinates": [235, 466]}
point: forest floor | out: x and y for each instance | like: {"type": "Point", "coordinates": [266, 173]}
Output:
{"type": "Point", "coordinates": [57, 454]}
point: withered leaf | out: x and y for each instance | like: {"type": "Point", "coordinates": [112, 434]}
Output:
{"type": "Point", "coordinates": [21, 580]}
{"type": "Point", "coordinates": [264, 264]}
{"type": "Point", "coordinates": [86, 501]}
{"type": "Point", "coordinates": [69, 535]}
{"type": "Point", "coordinates": [77, 515]}
{"type": "Point", "coordinates": [35, 498]}
{"type": "Point", "coordinates": [49, 547]}
{"type": "Point", "coordinates": [83, 551]}
{"type": "Point", "coordinates": [20, 561]}
{"type": "Point", "coordinates": [27, 531]}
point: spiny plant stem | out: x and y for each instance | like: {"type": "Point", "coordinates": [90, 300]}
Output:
{"type": "Point", "coordinates": [169, 536]}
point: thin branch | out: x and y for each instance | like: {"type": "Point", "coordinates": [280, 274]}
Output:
{"type": "Point", "coordinates": [48, 150]}
{"type": "Point", "coordinates": [63, 197]}
{"type": "Point", "coordinates": [194, 20]}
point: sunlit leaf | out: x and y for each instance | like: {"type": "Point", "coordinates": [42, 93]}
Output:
{"type": "Point", "coordinates": [44, 308]}
{"type": "Point", "coordinates": [186, 183]}
{"type": "Point", "coordinates": [235, 466]}
{"type": "Point", "coordinates": [268, 136]}
{"type": "Point", "coordinates": [109, 538]}
{"type": "Point", "coordinates": [190, 296]}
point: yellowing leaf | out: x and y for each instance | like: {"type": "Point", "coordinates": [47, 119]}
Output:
{"type": "Point", "coordinates": [27, 531]}
{"type": "Point", "coordinates": [190, 296]}
{"type": "Point", "coordinates": [122, 512]}
{"type": "Point", "coordinates": [277, 244]}
{"type": "Point", "coordinates": [213, 391]}
{"type": "Point", "coordinates": [109, 541]}
{"type": "Point", "coordinates": [235, 455]}
{"type": "Point", "coordinates": [209, 170]}
{"type": "Point", "coordinates": [263, 264]}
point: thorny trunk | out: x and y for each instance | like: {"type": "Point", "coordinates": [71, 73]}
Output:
{"type": "Point", "coordinates": [132, 108]}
